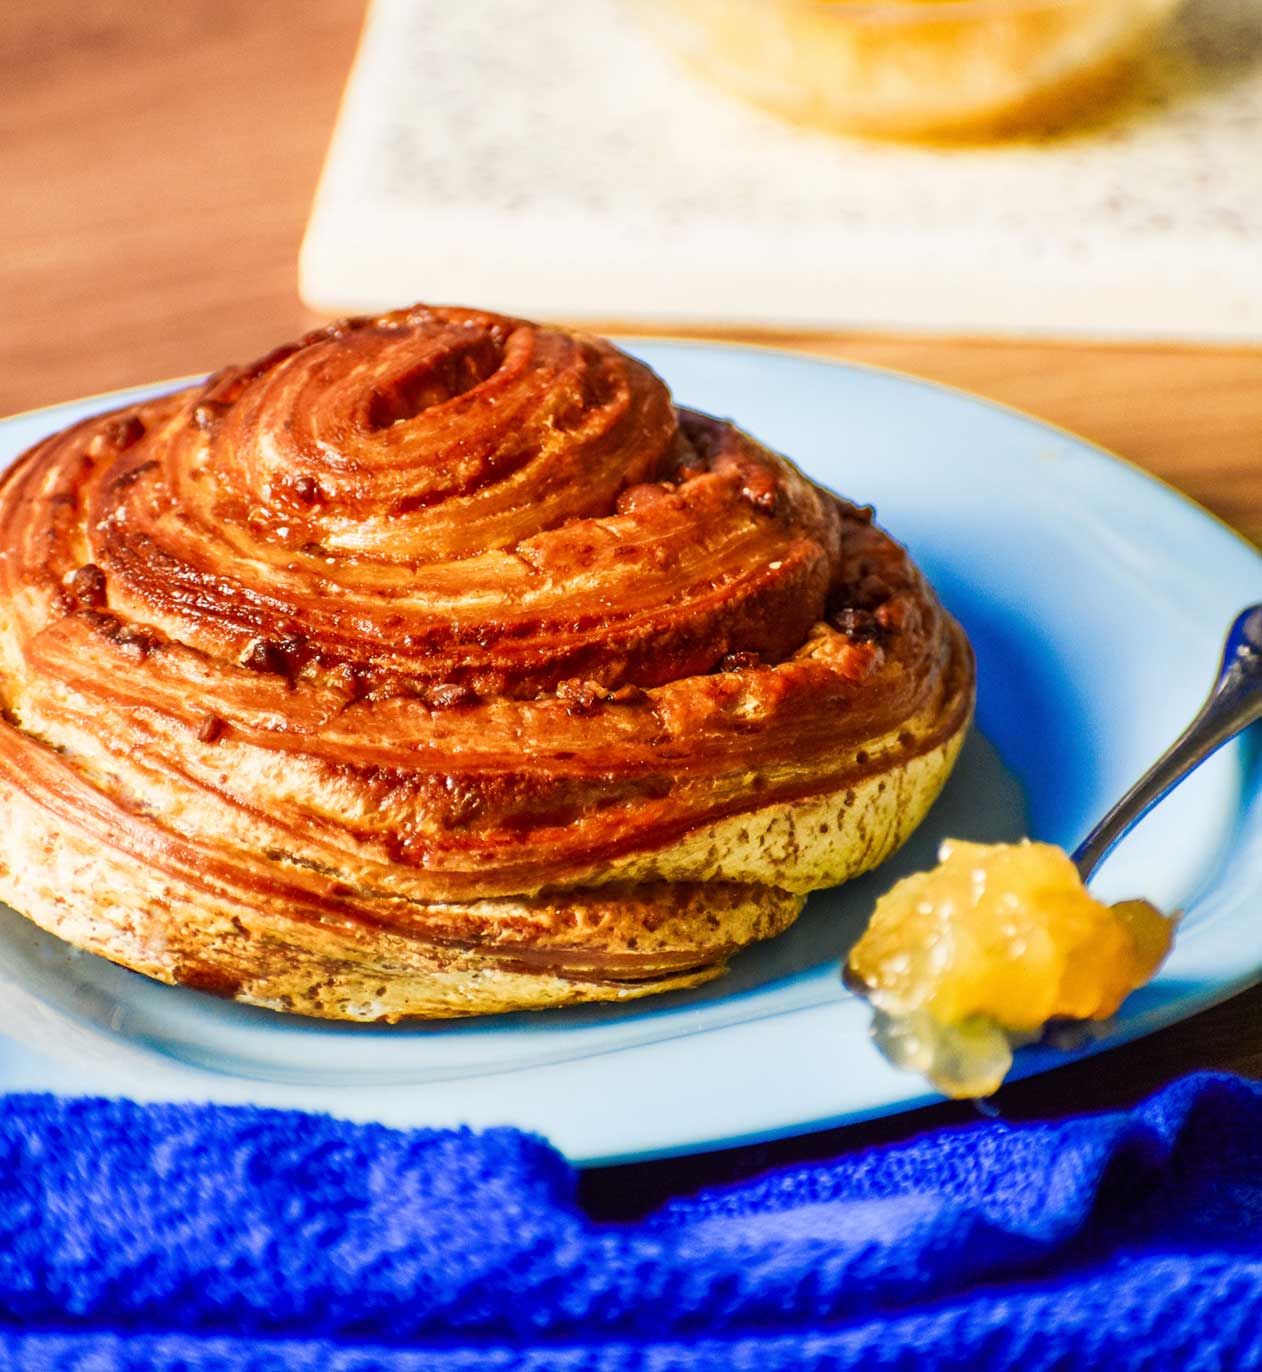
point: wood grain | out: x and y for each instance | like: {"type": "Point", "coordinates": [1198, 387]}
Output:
{"type": "Point", "coordinates": [158, 163]}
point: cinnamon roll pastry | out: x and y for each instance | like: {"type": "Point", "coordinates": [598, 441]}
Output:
{"type": "Point", "coordinates": [437, 664]}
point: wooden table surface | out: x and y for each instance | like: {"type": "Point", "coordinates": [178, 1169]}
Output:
{"type": "Point", "coordinates": [158, 164]}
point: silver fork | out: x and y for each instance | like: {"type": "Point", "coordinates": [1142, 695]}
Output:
{"type": "Point", "coordinates": [1233, 704]}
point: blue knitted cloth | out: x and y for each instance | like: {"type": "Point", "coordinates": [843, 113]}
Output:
{"type": "Point", "coordinates": [196, 1237]}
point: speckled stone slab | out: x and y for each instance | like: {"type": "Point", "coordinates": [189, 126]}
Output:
{"type": "Point", "coordinates": [542, 157]}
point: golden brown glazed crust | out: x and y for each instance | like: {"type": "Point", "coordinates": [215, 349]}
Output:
{"type": "Point", "coordinates": [436, 665]}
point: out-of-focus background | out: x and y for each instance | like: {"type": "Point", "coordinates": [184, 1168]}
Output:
{"type": "Point", "coordinates": [160, 163]}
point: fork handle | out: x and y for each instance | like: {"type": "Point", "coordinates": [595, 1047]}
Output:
{"type": "Point", "coordinates": [1234, 703]}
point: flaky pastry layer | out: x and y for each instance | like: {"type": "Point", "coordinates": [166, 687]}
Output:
{"type": "Point", "coordinates": [438, 665]}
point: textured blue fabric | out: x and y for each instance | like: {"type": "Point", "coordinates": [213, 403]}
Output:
{"type": "Point", "coordinates": [198, 1237]}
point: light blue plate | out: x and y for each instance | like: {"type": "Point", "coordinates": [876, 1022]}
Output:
{"type": "Point", "coordinates": [1096, 599]}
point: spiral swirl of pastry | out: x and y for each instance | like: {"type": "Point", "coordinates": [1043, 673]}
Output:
{"type": "Point", "coordinates": [437, 664]}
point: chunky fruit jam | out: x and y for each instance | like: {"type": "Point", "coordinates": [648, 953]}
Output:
{"type": "Point", "coordinates": [967, 961]}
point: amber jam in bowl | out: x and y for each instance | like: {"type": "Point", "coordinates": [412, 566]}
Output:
{"type": "Point", "coordinates": [913, 68]}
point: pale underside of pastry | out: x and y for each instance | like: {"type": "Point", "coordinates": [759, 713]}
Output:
{"type": "Point", "coordinates": [438, 665]}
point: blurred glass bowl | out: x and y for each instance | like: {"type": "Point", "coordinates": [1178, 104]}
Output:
{"type": "Point", "coordinates": [912, 68]}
